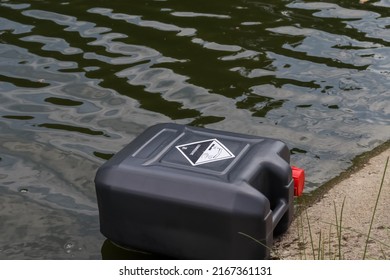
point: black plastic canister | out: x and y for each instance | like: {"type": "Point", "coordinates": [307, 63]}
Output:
{"type": "Point", "coordinates": [195, 193]}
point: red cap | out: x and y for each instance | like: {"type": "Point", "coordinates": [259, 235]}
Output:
{"type": "Point", "coordinates": [298, 175]}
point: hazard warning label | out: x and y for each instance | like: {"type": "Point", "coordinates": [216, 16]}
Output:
{"type": "Point", "coordinates": [205, 151]}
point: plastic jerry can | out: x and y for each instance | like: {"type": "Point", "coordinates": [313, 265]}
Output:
{"type": "Point", "coordinates": [196, 193]}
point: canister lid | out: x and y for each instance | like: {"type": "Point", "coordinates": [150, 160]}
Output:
{"type": "Point", "coordinates": [298, 175]}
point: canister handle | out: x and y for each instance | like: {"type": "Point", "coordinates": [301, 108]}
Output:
{"type": "Point", "coordinates": [278, 212]}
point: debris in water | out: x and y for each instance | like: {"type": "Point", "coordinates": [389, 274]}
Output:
{"type": "Point", "coordinates": [68, 247]}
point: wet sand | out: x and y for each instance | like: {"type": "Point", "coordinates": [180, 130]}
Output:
{"type": "Point", "coordinates": [337, 222]}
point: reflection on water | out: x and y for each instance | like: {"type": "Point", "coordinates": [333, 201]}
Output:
{"type": "Point", "coordinates": [80, 79]}
{"type": "Point", "coordinates": [111, 251]}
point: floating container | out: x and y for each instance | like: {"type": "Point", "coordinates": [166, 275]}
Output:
{"type": "Point", "coordinates": [195, 193]}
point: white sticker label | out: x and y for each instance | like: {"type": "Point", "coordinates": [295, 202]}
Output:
{"type": "Point", "coordinates": [205, 151]}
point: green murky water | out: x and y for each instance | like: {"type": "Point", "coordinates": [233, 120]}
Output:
{"type": "Point", "coordinates": [81, 79]}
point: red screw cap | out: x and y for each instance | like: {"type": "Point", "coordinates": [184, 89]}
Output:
{"type": "Point", "coordinates": [298, 175]}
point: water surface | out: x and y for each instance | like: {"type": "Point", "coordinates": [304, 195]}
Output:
{"type": "Point", "coordinates": [81, 79]}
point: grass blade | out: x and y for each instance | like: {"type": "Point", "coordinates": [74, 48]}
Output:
{"type": "Point", "coordinates": [374, 211]}
{"type": "Point", "coordinates": [311, 236]}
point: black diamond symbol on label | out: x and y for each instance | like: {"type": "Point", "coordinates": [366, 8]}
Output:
{"type": "Point", "coordinates": [205, 151]}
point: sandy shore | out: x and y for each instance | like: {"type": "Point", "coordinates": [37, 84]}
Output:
{"type": "Point", "coordinates": [336, 224]}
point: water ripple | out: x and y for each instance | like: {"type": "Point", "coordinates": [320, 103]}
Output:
{"type": "Point", "coordinates": [322, 44]}
{"type": "Point", "coordinates": [137, 20]}
{"type": "Point", "coordinates": [15, 27]}
{"type": "Point", "coordinates": [328, 10]}
{"type": "Point", "coordinates": [195, 15]}
{"type": "Point", "coordinates": [53, 44]}
{"type": "Point", "coordinates": [373, 28]}
{"type": "Point", "coordinates": [382, 3]}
